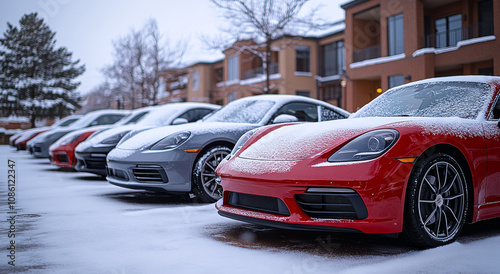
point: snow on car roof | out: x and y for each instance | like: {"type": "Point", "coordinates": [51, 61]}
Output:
{"type": "Point", "coordinates": [91, 116]}
{"type": "Point", "coordinates": [460, 78]}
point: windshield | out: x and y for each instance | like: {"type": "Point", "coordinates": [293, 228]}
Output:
{"type": "Point", "coordinates": [242, 111]}
{"type": "Point", "coordinates": [132, 118]}
{"type": "Point", "coordinates": [159, 117]}
{"type": "Point", "coordinates": [442, 99]}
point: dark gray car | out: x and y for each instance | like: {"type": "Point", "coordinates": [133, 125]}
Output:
{"type": "Point", "coordinates": [183, 158]}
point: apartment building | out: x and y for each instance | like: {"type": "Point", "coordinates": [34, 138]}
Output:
{"type": "Point", "coordinates": [392, 42]}
{"type": "Point", "coordinates": [385, 43]}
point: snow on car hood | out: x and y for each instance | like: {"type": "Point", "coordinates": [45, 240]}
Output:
{"type": "Point", "coordinates": [303, 141]}
{"type": "Point", "coordinates": [99, 137]}
{"type": "Point", "coordinates": [148, 137]}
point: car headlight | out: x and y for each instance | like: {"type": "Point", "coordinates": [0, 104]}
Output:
{"type": "Point", "coordinates": [367, 146]}
{"type": "Point", "coordinates": [243, 139]}
{"type": "Point", "coordinates": [171, 141]}
{"type": "Point", "coordinates": [113, 139]}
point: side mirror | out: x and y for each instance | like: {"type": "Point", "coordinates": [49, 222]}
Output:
{"type": "Point", "coordinates": [285, 118]}
{"type": "Point", "coordinates": [180, 121]}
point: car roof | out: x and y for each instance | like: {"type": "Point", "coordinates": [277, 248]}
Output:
{"type": "Point", "coordinates": [461, 78]}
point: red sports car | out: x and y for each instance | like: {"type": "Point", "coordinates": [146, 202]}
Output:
{"type": "Point", "coordinates": [422, 158]}
{"type": "Point", "coordinates": [62, 152]}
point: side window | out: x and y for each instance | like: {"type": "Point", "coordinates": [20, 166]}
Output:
{"type": "Point", "coordinates": [107, 119]}
{"type": "Point", "coordinates": [305, 112]}
{"type": "Point", "coordinates": [195, 114]}
{"type": "Point", "coordinates": [495, 112]}
{"type": "Point", "coordinates": [330, 114]}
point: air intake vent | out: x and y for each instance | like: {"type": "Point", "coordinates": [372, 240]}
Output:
{"type": "Point", "coordinates": [150, 173]}
{"type": "Point", "coordinates": [332, 205]}
{"type": "Point", "coordinates": [258, 203]}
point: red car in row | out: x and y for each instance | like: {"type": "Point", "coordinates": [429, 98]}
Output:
{"type": "Point", "coordinates": [422, 159]}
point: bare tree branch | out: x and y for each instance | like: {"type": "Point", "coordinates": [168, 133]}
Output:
{"type": "Point", "coordinates": [264, 20]}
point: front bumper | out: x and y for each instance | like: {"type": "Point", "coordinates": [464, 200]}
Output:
{"type": "Point", "coordinates": [41, 150]}
{"type": "Point", "coordinates": [61, 158]}
{"type": "Point", "coordinates": [168, 171]}
{"type": "Point", "coordinates": [378, 209]}
{"type": "Point", "coordinates": [92, 160]}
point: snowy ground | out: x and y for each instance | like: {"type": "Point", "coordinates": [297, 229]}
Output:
{"type": "Point", "coordinates": [69, 222]}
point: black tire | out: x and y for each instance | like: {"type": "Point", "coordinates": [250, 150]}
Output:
{"type": "Point", "coordinates": [205, 186]}
{"type": "Point", "coordinates": [437, 202]}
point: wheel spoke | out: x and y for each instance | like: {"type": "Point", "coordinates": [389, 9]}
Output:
{"type": "Point", "coordinates": [453, 197]}
{"type": "Point", "coordinates": [451, 212]}
{"type": "Point", "coordinates": [430, 217]}
{"type": "Point", "coordinates": [207, 183]}
{"type": "Point", "coordinates": [438, 178]}
{"type": "Point", "coordinates": [438, 221]}
{"type": "Point", "coordinates": [446, 232]}
{"type": "Point", "coordinates": [430, 184]}
{"type": "Point", "coordinates": [208, 174]}
{"type": "Point", "coordinates": [451, 184]}
{"type": "Point", "coordinates": [445, 175]}
{"type": "Point", "coordinates": [210, 166]}
{"type": "Point", "coordinates": [427, 201]}
{"type": "Point", "coordinates": [213, 191]}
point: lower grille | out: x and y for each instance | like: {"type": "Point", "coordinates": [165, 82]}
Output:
{"type": "Point", "coordinates": [62, 158]}
{"type": "Point", "coordinates": [149, 173]}
{"type": "Point", "coordinates": [332, 205]}
{"type": "Point", "coordinates": [117, 173]}
{"type": "Point", "coordinates": [95, 163]}
{"type": "Point", "coordinates": [258, 203]}
{"type": "Point", "coordinates": [38, 149]}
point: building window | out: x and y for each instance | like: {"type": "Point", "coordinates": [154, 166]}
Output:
{"type": "Point", "coordinates": [486, 71]}
{"type": "Point", "coordinates": [333, 59]}
{"type": "Point", "coordinates": [302, 58]}
{"type": "Point", "coordinates": [232, 68]}
{"type": "Point", "coordinates": [219, 75]}
{"type": "Point", "coordinates": [396, 34]}
{"type": "Point", "coordinates": [396, 80]}
{"type": "Point", "coordinates": [231, 97]}
{"type": "Point", "coordinates": [448, 31]}
{"type": "Point", "coordinates": [303, 93]}
{"type": "Point", "coordinates": [332, 93]}
{"type": "Point", "coordinates": [196, 80]}
{"type": "Point", "coordinates": [485, 10]}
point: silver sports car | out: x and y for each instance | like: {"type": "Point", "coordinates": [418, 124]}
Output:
{"type": "Point", "coordinates": [92, 153]}
{"type": "Point", "coordinates": [182, 159]}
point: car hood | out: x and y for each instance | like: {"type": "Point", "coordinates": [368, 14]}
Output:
{"type": "Point", "coordinates": [146, 138]}
{"type": "Point", "coordinates": [106, 133]}
{"type": "Point", "coordinates": [304, 141]}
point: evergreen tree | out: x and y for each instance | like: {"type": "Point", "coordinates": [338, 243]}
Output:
{"type": "Point", "coordinates": [36, 78]}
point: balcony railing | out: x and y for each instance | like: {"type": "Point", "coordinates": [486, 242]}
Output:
{"type": "Point", "coordinates": [274, 68]}
{"type": "Point", "coordinates": [451, 37]}
{"type": "Point", "coordinates": [366, 53]}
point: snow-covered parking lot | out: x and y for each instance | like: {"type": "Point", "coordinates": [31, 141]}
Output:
{"type": "Point", "coordinates": [69, 222]}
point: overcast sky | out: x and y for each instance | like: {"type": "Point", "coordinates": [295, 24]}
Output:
{"type": "Point", "coordinates": [88, 27]}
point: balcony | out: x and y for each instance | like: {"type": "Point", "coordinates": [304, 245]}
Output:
{"type": "Point", "coordinates": [274, 68]}
{"type": "Point", "coordinates": [451, 37]}
{"type": "Point", "coordinates": [366, 54]}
